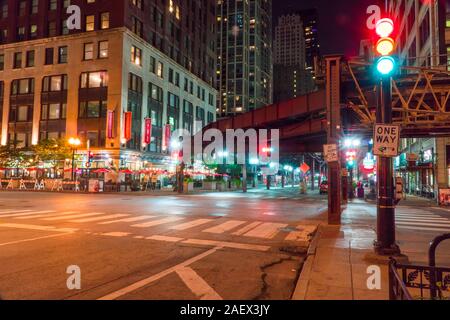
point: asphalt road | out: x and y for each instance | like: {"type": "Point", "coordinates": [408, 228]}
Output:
{"type": "Point", "coordinates": [206, 246]}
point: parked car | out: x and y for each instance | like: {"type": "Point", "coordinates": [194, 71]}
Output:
{"type": "Point", "coordinates": [323, 187]}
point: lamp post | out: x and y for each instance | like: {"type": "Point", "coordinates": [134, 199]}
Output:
{"type": "Point", "coordinates": [74, 143]}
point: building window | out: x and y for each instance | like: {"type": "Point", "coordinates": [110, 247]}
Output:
{"type": "Point", "coordinates": [134, 83]}
{"type": "Point", "coordinates": [136, 56]}
{"type": "Point", "coordinates": [137, 3]}
{"type": "Point", "coordinates": [104, 20]}
{"type": "Point", "coordinates": [22, 8]}
{"type": "Point", "coordinates": [62, 54]}
{"type": "Point", "coordinates": [160, 69]}
{"type": "Point", "coordinates": [51, 31]}
{"type": "Point", "coordinates": [64, 28]}
{"type": "Point", "coordinates": [92, 109]}
{"type": "Point", "coordinates": [137, 26]}
{"type": "Point", "coordinates": [2, 62]}
{"type": "Point", "coordinates": [96, 79]}
{"type": "Point", "coordinates": [34, 6]}
{"type": "Point", "coordinates": [4, 8]}
{"type": "Point", "coordinates": [23, 114]}
{"type": "Point", "coordinates": [48, 56]}
{"type": "Point", "coordinates": [30, 59]}
{"type": "Point", "coordinates": [22, 86]}
{"type": "Point", "coordinates": [90, 23]}
{"type": "Point", "coordinates": [53, 4]}
{"type": "Point", "coordinates": [103, 49]}
{"type": "Point", "coordinates": [54, 83]}
{"type": "Point", "coordinates": [152, 65]}
{"type": "Point", "coordinates": [33, 31]}
{"type": "Point", "coordinates": [17, 64]}
{"type": "Point", "coordinates": [54, 111]}
{"type": "Point", "coordinates": [88, 51]}
{"type": "Point", "coordinates": [20, 33]}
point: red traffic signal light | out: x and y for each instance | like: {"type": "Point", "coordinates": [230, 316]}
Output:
{"type": "Point", "coordinates": [384, 27]}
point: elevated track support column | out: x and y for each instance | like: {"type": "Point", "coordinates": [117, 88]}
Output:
{"type": "Point", "coordinates": [333, 102]}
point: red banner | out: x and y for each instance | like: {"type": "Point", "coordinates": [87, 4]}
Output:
{"type": "Point", "coordinates": [148, 131]}
{"type": "Point", "coordinates": [167, 133]}
{"type": "Point", "coordinates": [127, 127]}
{"type": "Point", "coordinates": [110, 124]}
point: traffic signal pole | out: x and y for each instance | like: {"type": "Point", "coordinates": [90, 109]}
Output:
{"type": "Point", "coordinates": [385, 243]}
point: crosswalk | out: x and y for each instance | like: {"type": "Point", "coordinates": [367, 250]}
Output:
{"type": "Point", "coordinates": [217, 226]}
{"type": "Point", "coordinates": [418, 220]}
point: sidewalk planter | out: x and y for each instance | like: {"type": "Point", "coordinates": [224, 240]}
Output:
{"type": "Point", "coordinates": [188, 187]}
{"type": "Point", "coordinates": [209, 185]}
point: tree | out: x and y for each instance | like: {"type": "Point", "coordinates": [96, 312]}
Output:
{"type": "Point", "coordinates": [53, 151]}
{"type": "Point", "coordinates": [13, 157]}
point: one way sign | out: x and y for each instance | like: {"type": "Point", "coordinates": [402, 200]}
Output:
{"type": "Point", "coordinates": [386, 140]}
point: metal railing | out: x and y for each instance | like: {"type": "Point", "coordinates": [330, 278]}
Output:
{"type": "Point", "coordinates": [409, 282]}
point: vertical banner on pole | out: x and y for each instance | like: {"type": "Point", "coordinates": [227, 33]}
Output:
{"type": "Point", "coordinates": [110, 124]}
{"type": "Point", "coordinates": [166, 140]}
{"type": "Point", "coordinates": [127, 127]}
{"type": "Point", "coordinates": [148, 131]}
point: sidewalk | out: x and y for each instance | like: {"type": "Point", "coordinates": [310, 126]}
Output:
{"type": "Point", "coordinates": [337, 262]}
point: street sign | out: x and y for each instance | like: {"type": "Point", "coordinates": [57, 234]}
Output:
{"type": "Point", "coordinates": [330, 152]}
{"type": "Point", "coordinates": [386, 140]}
{"type": "Point", "coordinates": [304, 167]}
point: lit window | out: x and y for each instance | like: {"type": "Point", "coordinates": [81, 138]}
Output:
{"type": "Point", "coordinates": [103, 49]}
{"type": "Point", "coordinates": [88, 51]}
{"type": "Point", "coordinates": [136, 56]}
{"type": "Point", "coordinates": [105, 20]}
{"type": "Point", "coordinates": [90, 23]}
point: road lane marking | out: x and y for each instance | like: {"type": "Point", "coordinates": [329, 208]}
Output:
{"type": "Point", "coordinates": [426, 229]}
{"type": "Point", "coordinates": [265, 230]}
{"type": "Point", "coordinates": [156, 222]}
{"type": "Point", "coordinates": [26, 214]}
{"type": "Point", "coordinates": [421, 219]}
{"type": "Point", "coordinates": [36, 227]}
{"type": "Point", "coordinates": [46, 215]}
{"type": "Point", "coordinates": [191, 224]}
{"type": "Point", "coordinates": [115, 234]}
{"type": "Point", "coordinates": [197, 285]}
{"type": "Point", "coordinates": [417, 215]}
{"type": "Point", "coordinates": [133, 219]}
{"type": "Point", "coordinates": [303, 234]}
{"type": "Point", "coordinates": [75, 216]}
{"type": "Point", "coordinates": [224, 227]}
{"type": "Point", "coordinates": [110, 216]}
{"type": "Point", "coordinates": [441, 224]}
{"type": "Point", "coordinates": [234, 245]}
{"type": "Point", "coordinates": [147, 281]}
{"type": "Point", "coordinates": [247, 228]}
{"type": "Point", "coordinates": [164, 238]}
{"type": "Point", "coordinates": [33, 239]}
{"type": "Point", "coordinates": [13, 211]}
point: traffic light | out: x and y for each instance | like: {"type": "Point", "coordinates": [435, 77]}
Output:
{"type": "Point", "coordinates": [350, 158]}
{"type": "Point", "coordinates": [90, 156]}
{"type": "Point", "coordinates": [385, 46]}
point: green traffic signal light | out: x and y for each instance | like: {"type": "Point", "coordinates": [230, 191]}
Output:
{"type": "Point", "coordinates": [385, 65]}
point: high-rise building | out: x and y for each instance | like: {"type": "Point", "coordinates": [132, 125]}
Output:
{"type": "Point", "coordinates": [244, 62]}
{"type": "Point", "coordinates": [423, 40]}
{"type": "Point", "coordinates": [132, 71]}
{"type": "Point", "coordinates": [310, 20]}
{"type": "Point", "coordinates": [291, 76]}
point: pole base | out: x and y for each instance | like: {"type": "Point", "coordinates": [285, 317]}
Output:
{"type": "Point", "coordinates": [393, 250]}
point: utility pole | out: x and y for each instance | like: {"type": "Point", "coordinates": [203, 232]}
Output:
{"type": "Point", "coordinates": [385, 243]}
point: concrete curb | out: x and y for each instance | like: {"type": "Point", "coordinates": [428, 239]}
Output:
{"type": "Point", "coordinates": [303, 280]}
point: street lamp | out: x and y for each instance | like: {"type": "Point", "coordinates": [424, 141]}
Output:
{"type": "Point", "coordinates": [74, 143]}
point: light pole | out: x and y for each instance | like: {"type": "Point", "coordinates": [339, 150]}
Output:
{"type": "Point", "coordinates": [74, 143]}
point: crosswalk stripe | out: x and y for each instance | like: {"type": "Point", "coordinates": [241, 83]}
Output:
{"type": "Point", "coordinates": [46, 215]}
{"type": "Point", "coordinates": [416, 215]}
{"type": "Point", "coordinates": [26, 213]}
{"type": "Point", "coordinates": [12, 211]}
{"type": "Point", "coordinates": [133, 219]}
{"type": "Point", "coordinates": [426, 229]}
{"type": "Point", "coordinates": [191, 224]}
{"type": "Point", "coordinates": [157, 222]}
{"type": "Point", "coordinates": [421, 219]}
{"type": "Point", "coordinates": [247, 228]}
{"type": "Point", "coordinates": [75, 216]}
{"type": "Point", "coordinates": [111, 216]}
{"type": "Point", "coordinates": [302, 233]}
{"type": "Point", "coordinates": [442, 224]}
{"type": "Point", "coordinates": [226, 226]}
{"type": "Point", "coordinates": [266, 230]}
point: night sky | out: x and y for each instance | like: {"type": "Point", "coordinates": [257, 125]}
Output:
{"type": "Point", "coordinates": [342, 23]}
